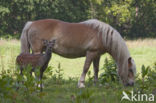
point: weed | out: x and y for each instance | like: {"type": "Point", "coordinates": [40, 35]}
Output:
{"type": "Point", "coordinates": [58, 76]}
{"type": "Point", "coordinates": [83, 96]}
{"type": "Point", "coordinates": [90, 78]}
{"type": "Point", "coordinates": [109, 73]}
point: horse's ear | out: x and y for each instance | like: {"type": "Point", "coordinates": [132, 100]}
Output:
{"type": "Point", "coordinates": [129, 61]}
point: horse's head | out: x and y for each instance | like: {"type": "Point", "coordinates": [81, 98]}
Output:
{"type": "Point", "coordinates": [129, 72]}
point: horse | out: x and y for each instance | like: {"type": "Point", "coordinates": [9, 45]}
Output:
{"type": "Point", "coordinates": [91, 39]}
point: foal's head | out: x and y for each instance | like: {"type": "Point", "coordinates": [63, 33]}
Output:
{"type": "Point", "coordinates": [49, 45]}
{"type": "Point", "coordinates": [129, 72]}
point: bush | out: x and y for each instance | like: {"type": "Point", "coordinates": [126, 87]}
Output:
{"type": "Point", "coordinates": [6, 87]}
{"type": "Point", "coordinates": [109, 73]}
{"type": "Point", "coordinates": [16, 88]}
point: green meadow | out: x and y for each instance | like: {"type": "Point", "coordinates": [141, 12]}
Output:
{"type": "Point", "coordinates": [65, 91]}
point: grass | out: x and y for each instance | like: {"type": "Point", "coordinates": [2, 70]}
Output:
{"type": "Point", "coordinates": [143, 52]}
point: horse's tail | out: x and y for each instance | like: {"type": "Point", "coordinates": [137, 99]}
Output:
{"type": "Point", "coordinates": [25, 46]}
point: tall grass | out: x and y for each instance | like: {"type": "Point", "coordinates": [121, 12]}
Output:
{"type": "Point", "coordinates": [149, 42]}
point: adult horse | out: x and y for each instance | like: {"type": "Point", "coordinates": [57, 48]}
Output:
{"type": "Point", "coordinates": [90, 38]}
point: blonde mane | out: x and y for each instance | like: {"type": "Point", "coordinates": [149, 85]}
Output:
{"type": "Point", "coordinates": [112, 41]}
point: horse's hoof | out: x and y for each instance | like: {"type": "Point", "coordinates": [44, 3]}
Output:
{"type": "Point", "coordinates": [81, 85]}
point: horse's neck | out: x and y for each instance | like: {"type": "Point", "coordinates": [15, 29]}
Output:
{"type": "Point", "coordinates": [119, 52]}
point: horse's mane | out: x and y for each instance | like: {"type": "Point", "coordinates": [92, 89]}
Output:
{"type": "Point", "coordinates": [112, 41]}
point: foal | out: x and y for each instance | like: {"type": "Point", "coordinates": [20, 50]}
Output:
{"type": "Point", "coordinates": [36, 60]}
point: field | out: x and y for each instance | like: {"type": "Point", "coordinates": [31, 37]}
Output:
{"type": "Point", "coordinates": [66, 91]}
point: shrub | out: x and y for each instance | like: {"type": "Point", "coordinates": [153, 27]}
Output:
{"type": "Point", "coordinates": [6, 87]}
{"type": "Point", "coordinates": [58, 77]}
{"type": "Point", "coordinates": [146, 82]}
{"type": "Point", "coordinates": [109, 73]}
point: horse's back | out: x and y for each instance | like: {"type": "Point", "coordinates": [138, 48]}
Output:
{"type": "Point", "coordinates": [72, 39]}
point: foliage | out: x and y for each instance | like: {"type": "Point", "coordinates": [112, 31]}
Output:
{"type": "Point", "coordinates": [83, 96]}
{"type": "Point", "coordinates": [147, 82]}
{"type": "Point", "coordinates": [144, 21]}
{"type": "Point", "coordinates": [6, 86]}
{"type": "Point", "coordinates": [109, 73]}
{"type": "Point", "coordinates": [122, 15]}
{"type": "Point", "coordinates": [58, 77]}
{"type": "Point", "coordinates": [90, 77]}
{"type": "Point", "coordinates": [17, 88]}
{"type": "Point", "coordinates": [13, 85]}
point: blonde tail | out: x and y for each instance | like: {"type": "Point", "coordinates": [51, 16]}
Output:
{"type": "Point", "coordinates": [25, 46]}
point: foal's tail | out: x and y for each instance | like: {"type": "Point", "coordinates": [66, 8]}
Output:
{"type": "Point", "coordinates": [25, 46]}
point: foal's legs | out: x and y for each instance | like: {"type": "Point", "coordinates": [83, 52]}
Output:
{"type": "Point", "coordinates": [41, 75]}
{"type": "Point", "coordinates": [89, 58]}
{"type": "Point", "coordinates": [96, 68]}
{"type": "Point", "coordinates": [21, 70]}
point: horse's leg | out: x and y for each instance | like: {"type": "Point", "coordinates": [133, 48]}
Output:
{"type": "Point", "coordinates": [36, 45]}
{"type": "Point", "coordinates": [89, 58]}
{"type": "Point", "coordinates": [96, 68]}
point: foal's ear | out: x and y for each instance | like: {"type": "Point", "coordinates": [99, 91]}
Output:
{"type": "Point", "coordinates": [45, 42]}
{"type": "Point", "coordinates": [129, 62]}
{"type": "Point", "coordinates": [52, 41]}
